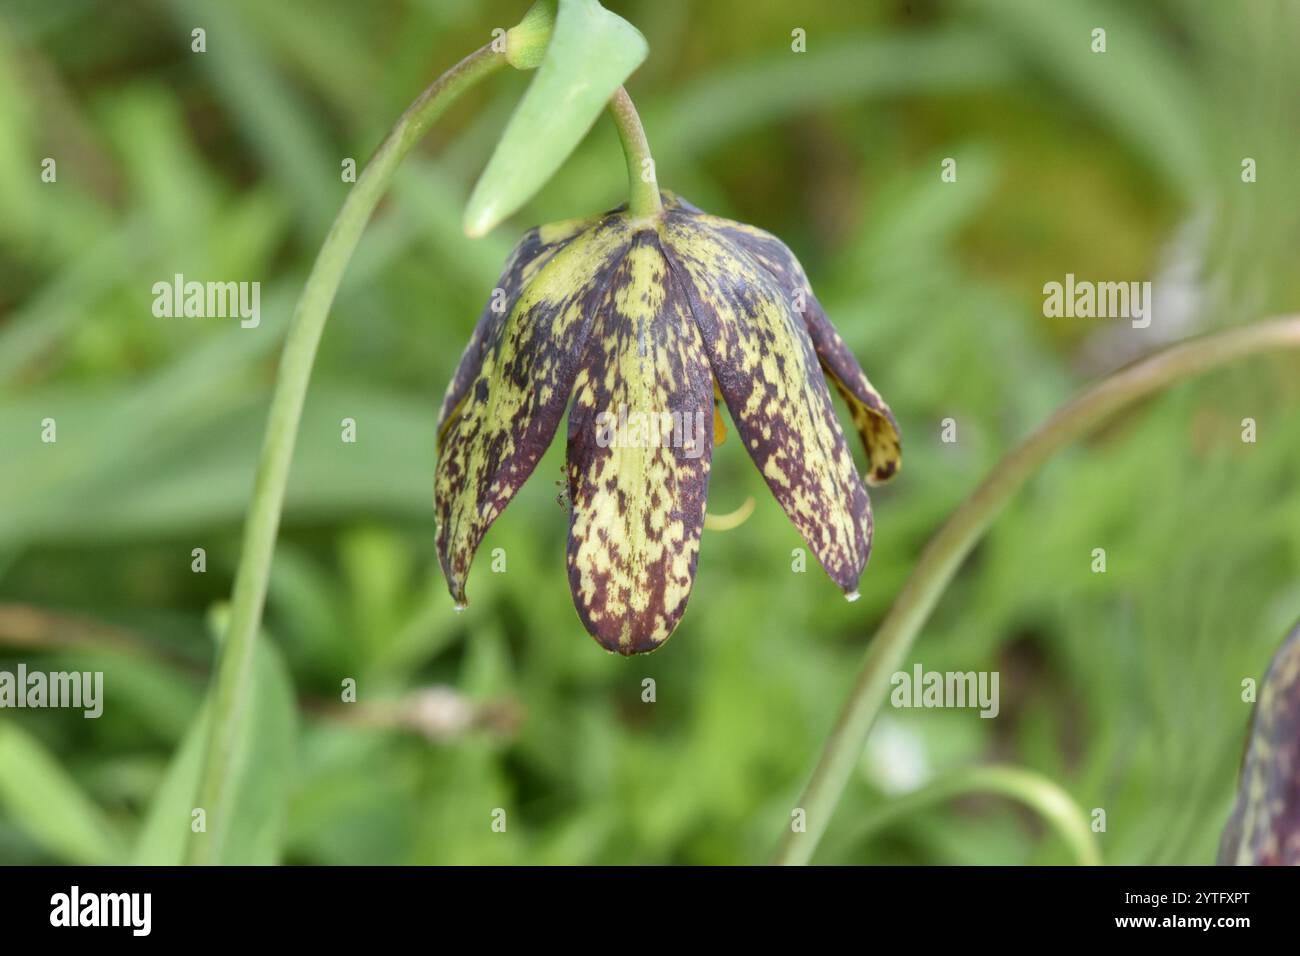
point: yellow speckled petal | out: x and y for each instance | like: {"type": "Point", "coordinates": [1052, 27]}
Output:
{"type": "Point", "coordinates": [509, 413]}
{"type": "Point", "coordinates": [767, 371]}
{"type": "Point", "coordinates": [532, 252]}
{"type": "Point", "coordinates": [1264, 829]}
{"type": "Point", "coordinates": [872, 417]}
{"type": "Point", "coordinates": [640, 443]}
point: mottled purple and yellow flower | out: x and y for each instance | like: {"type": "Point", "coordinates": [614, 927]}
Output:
{"type": "Point", "coordinates": [610, 317]}
{"type": "Point", "coordinates": [1264, 829]}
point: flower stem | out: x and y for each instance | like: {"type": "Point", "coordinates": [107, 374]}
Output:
{"type": "Point", "coordinates": [949, 547]}
{"type": "Point", "coordinates": [642, 181]}
{"type": "Point", "coordinates": [1039, 793]}
{"type": "Point", "coordinates": [228, 699]}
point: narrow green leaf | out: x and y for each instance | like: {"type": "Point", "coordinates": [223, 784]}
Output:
{"type": "Point", "coordinates": [42, 799]}
{"type": "Point", "coordinates": [591, 53]}
{"type": "Point", "coordinates": [263, 764]}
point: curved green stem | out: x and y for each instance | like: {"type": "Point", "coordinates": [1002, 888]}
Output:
{"type": "Point", "coordinates": [230, 689]}
{"type": "Point", "coordinates": [949, 547]}
{"type": "Point", "coordinates": [1034, 790]}
{"type": "Point", "coordinates": [642, 181]}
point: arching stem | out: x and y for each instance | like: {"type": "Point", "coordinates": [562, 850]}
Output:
{"type": "Point", "coordinates": [642, 181]}
{"type": "Point", "coordinates": [228, 701]}
{"type": "Point", "coordinates": [1037, 792]}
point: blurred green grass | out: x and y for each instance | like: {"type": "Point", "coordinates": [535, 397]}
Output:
{"type": "Point", "coordinates": [1123, 687]}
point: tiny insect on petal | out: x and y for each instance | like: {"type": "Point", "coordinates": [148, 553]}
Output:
{"type": "Point", "coordinates": [509, 413]}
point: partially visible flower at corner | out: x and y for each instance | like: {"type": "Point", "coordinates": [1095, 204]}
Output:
{"type": "Point", "coordinates": [658, 314]}
{"type": "Point", "coordinates": [1264, 828]}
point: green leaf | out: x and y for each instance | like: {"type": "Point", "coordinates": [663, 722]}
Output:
{"type": "Point", "coordinates": [43, 800]}
{"type": "Point", "coordinates": [262, 766]}
{"type": "Point", "coordinates": [591, 53]}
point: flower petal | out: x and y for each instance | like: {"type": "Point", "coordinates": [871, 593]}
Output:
{"type": "Point", "coordinates": [640, 444]}
{"type": "Point", "coordinates": [1264, 829]}
{"type": "Point", "coordinates": [871, 415]}
{"type": "Point", "coordinates": [509, 413]}
{"type": "Point", "coordinates": [767, 371]}
{"type": "Point", "coordinates": [532, 252]}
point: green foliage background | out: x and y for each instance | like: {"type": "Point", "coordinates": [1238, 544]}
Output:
{"type": "Point", "coordinates": [1123, 687]}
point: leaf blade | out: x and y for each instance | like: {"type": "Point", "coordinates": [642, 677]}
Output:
{"type": "Point", "coordinates": [261, 793]}
{"type": "Point", "coordinates": [41, 796]}
{"type": "Point", "coordinates": [592, 51]}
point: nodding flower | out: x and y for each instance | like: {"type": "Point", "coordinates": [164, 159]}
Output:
{"type": "Point", "coordinates": [657, 315]}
